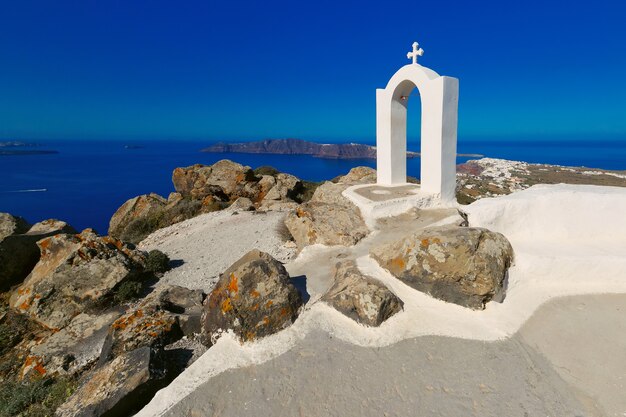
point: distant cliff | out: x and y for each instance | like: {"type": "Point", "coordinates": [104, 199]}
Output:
{"type": "Point", "coordinates": [301, 147]}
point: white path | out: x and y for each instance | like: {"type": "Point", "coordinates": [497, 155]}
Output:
{"type": "Point", "coordinates": [568, 240]}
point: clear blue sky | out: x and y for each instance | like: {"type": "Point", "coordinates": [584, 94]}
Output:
{"type": "Point", "coordinates": [246, 70]}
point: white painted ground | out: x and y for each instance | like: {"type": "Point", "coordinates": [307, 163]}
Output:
{"type": "Point", "coordinates": [567, 240]}
{"type": "Point", "coordinates": [208, 244]}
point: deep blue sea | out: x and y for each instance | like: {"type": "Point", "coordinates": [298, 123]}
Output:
{"type": "Point", "coordinates": [87, 181]}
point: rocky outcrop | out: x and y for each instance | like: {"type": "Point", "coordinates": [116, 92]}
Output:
{"type": "Point", "coordinates": [142, 215]}
{"type": "Point", "coordinates": [12, 225]}
{"type": "Point", "coordinates": [203, 189]}
{"type": "Point", "coordinates": [360, 297]}
{"type": "Point", "coordinates": [74, 273]}
{"type": "Point", "coordinates": [221, 180]}
{"type": "Point", "coordinates": [19, 252]}
{"type": "Point", "coordinates": [254, 298]}
{"type": "Point", "coordinates": [461, 265]}
{"type": "Point", "coordinates": [161, 318]}
{"type": "Point", "coordinates": [120, 387]}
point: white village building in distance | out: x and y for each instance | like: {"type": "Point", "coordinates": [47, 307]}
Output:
{"type": "Point", "coordinates": [440, 97]}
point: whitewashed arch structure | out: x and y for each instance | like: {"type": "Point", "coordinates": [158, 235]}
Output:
{"type": "Point", "coordinates": [439, 99]}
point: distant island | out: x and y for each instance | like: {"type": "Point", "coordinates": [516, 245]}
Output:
{"type": "Point", "coordinates": [303, 147]}
{"type": "Point", "coordinates": [16, 144]}
{"type": "Point", "coordinates": [7, 148]}
{"type": "Point", "coordinates": [25, 152]}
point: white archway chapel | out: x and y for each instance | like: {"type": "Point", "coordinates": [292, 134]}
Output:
{"type": "Point", "coordinates": [439, 103]}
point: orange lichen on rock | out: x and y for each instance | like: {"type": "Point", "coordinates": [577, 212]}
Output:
{"type": "Point", "coordinates": [232, 285]}
{"type": "Point", "coordinates": [255, 293]}
{"type": "Point", "coordinates": [124, 322]}
{"type": "Point", "coordinates": [44, 244]}
{"type": "Point", "coordinates": [23, 291]}
{"type": "Point", "coordinates": [269, 303]}
{"type": "Point", "coordinates": [226, 306]}
{"type": "Point", "coordinates": [33, 362]}
{"type": "Point", "coordinates": [398, 263]}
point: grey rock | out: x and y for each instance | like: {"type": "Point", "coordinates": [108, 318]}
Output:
{"type": "Point", "coordinates": [119, 387]}
{"type": "Point", "coordinates": [327, 224]}
{"type": "Point", "coordinates": [174, 198]}
{"type": "Point", "coordinates": [72, 349]}
{"type": "Point", "coordinates": [331, 193]}
{"type": "Point", "coordinates": [147, 325]}
{"type": "Point", "coordinates": [74, 272]}
{"type": "Point", "coordinates": [241, 204]}
{"type": "Point", "coordinates": [161, 318]}
{"type": "Point", "coordinates": [360, 297]}
{"type": "Point", "coordinates": [137, 208]}
{"type": "Point", "coordinates": [19, 252]}
{"type": "Point", "coordinates": [254, 297]}
{"type": "Point", "coordinates": [266, 183]}
{"type": "Point", "coordinates": [12, 225]}
{"type": "Point", "coordinates": [186, 304]}
{"type": "Point", "coordinates": [277, 205]}
{"type": "Point", "coordinates": [284, 188]}
{"type": "Point", "coordinates": [359, 175]}
{"type": "Point", "coordinates": [461, 265]}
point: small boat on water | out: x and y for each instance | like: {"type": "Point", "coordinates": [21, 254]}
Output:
{"type": "Point", "coordinates": [34, 190]}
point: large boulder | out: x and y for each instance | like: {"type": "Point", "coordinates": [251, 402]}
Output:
{"type": "Point", "coordinates": [120, 387]}
{"type": "Point", "coordinates": [329, 218]}
{"type": "Point", "coordinates": [461, 265]}
{"type": "Point", "coordinates": [72, 349]}
{"type": "Point", "coordinates": [19, 252]}
{"type": "Point", "coordinates": [360, 297]}
{"type": "Point", "coordinates": [161, 318]}
{"type": "Point", "coordinates": [253, 297]}
{"type": "Point", "coordinates": [222, 178]}
{"type": "Point", "coordinates": [74, 273]}
{"type": "Point", "coordinates": [326, 224]}
{"type": "Point", "coordinates": [138, 208]}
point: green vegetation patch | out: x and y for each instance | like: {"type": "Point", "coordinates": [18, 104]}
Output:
{"type": "Point", "coordinates": [35, 398]}
{"type": "Point", "coordinates": [157, 262]}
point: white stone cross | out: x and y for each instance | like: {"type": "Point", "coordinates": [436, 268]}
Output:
{"type": "Point", "coordinates": [416, 52]}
